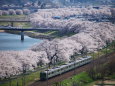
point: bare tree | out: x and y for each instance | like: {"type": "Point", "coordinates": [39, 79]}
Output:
{"type": "Point", "coordinates": [0, 12]}
{"type": "Point", "coordinates": [43, 5]}
{"type": "Point", "coordinates": [112, 12]}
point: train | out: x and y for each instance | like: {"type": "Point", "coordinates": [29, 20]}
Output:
{"type": "Point", "coordinates": [46, 74]}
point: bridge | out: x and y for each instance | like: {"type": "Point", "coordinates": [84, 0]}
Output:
{"type": "Point", "coordinates": [27, 29]}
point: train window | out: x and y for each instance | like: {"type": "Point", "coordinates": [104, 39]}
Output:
{"type": "Point", "coordinates": [61, 68]}
{"type": "Point", "coordinates": [57, 70]}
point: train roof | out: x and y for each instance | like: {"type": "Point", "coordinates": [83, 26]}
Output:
{"type": "Point", "coordinates": [65, 65]}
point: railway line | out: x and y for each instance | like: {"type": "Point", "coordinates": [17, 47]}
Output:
{"type": "Point", "coordinates": [71, 73]}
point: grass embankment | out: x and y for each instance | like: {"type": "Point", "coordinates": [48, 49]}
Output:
{"type": "Point", "coordinates": [83, 79]}
{"type": "Point", "coordinates": [78, 80]}
{"type": "Point", "coordinates": [48, 34]}
{"type": "Point", "coordinates": [12, 16]}
{"type": "Point", "coordinates": [23, 79]}
{"type": "Point", "coordinates": [16, 24]}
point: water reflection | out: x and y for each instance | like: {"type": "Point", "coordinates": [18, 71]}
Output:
{"type": "Point", "coordinates": [13, 42]}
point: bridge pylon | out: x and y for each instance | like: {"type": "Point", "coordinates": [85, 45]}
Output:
{"type": "Point", "coordinates": [22, 35]}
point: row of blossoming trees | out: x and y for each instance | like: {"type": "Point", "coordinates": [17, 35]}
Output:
{"type": "Point", "coordinates": [15, 12]}
{"type": "Point", "coordinates": [88, 35]}
{"type": "Point", "coordinates": [44, 18]}
{"type": "Point", "coordinates": [94, 36]}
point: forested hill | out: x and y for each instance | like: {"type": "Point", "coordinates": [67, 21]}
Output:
{"type": "Point", "coordinates": [61, 1]}
{"type": "Point", "coordinates": [18, 1]}
{"type": "Point", "coordinates": [11, 1]}
{"type": "Point", "coordinates": [95, 1]}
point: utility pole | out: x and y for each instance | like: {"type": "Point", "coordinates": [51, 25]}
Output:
{"type": "Point", "coordinates": [47, 74]}
{"type": "Point", "coordinates": [75, 54]}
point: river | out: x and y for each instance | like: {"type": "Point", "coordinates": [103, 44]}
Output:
{"type": "Point", "coordinates": [13, 42]}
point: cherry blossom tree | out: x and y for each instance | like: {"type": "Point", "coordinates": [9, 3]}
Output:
{"type": "Point", "coordinates": [51, 51]}
{"type": "Point", "coordinates": [12, 12]}
{"type": "Point", "coordinates": [26, 11]}
{"type": "Point", "coordinates": [5, 12]}
{"type": "Point", "coordinates": [12, 62]}
{"type": "Point", "coordinates": [19, 12]}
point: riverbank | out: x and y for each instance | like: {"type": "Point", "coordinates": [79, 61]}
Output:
{"type": "Point", "coordinates": [38, 35]}
{"type": "Point", "coordinates": [32, 34]}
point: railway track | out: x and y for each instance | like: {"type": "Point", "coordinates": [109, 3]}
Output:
{"type": "Point", "coordinates": [71, 73]}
